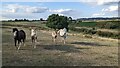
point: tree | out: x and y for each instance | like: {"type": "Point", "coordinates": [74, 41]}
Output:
{"type": "Point", "coordinates": [41, 19]}
{"type": "Point", "coordinates": [24, 20]}
{"type": "Point", "coordinates": [16, 19]}
{"type": "Point", "coordinates": [70, 18]}
{"type": "Point", "coordinates": [57, 22]}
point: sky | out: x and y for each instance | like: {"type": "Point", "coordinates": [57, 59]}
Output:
{"type": "Point", "coordinates": [75, 9]}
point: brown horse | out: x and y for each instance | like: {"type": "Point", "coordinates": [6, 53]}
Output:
{"type": "Point", "coordinates": [33, 37]}
{"type": "Point", "coordinates": [19, 36]}
{"type": "Point", "coordinates": [54, 36]}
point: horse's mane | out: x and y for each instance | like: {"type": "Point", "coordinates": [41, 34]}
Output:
{"type": "Point", "coordinates": [15, 29]}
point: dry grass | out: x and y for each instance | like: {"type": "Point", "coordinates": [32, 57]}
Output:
{"type": "Point", "coordinates": [78, 51]}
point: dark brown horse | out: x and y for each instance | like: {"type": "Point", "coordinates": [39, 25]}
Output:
{"type": "Point", "coordinates": [19, 36]}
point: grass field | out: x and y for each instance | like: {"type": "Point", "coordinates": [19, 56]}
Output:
{"type": "Point", "coordinates": [78, 51]}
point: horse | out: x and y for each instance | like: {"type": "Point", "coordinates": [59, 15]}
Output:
{"type": "Point", "coordinates": [54, 36]}
{"type": "Point", "coordinates": [33, 37]}
{"type": "Point", "coordinates": [62, 33]}
{"type": "Point", "coordinates": [19, 36]}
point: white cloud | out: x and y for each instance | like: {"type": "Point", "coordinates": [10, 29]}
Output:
{"type": "Point", "coordinates": [64, 11]}
{"type": "Point", "coordinates": [98, 14]}
{"type": "Point", "coordinates": [74, 13]}
{"type": "Point", "coordinates": [14, 8]}
{"type": "Point", "coordinates": [61, 10]}
{"type": "Point", "coordinates": [107, 11]}
{"type": "Point", "coordinates": [102, 2]}
{"type": "Point", "coordinates": [36, 9]}
{"type": "Point", "coordinates": [98, 2]}
{"type": "Point", "coordinates": [110, 9]}
{"type": "Point", "coordinates": [25, 11]}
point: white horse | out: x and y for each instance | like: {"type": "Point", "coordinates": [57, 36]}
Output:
{"type": "Point", "coordinates": [33, 37]}
{"type": "Point", "coordinates": [62, 33]}
{"type": "Point", "coordinates": [54, 36]}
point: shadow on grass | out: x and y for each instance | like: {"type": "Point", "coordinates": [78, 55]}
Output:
{"type": "Point", "coordinates": [87, 44]}
{"type": "Point", "coordinates": [65, 48]}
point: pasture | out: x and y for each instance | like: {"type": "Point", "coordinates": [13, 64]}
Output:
{"type": "Point", "coordinates": [78, 50]}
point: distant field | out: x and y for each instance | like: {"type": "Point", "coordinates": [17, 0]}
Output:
{"type": "Point", "coordinates": [25, 24]}
{"type": "Point", "coordinates": [88, 24]}
{"type": "Point", "coordinates": [108, 29]}
{"type": "Point", "coordinates": [100, 24]}
{"type": "Point", "coordinates": [78, 51]}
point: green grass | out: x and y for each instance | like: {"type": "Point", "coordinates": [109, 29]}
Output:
{"type": "Point", "coordinates": [98, 24]}
{"type": "Point", "coordinates": [87, 24]}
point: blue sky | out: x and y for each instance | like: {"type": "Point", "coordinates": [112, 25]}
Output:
{"type": "Point", "coordinates": [37, 10]}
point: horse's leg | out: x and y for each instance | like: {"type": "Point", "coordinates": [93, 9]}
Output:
{"type": "Point", "coordinates": [52, 39]}
{"type": "Point", "coordinates": [64, 39]}
{"type": "Point", "coordinates": [55, 40]}
{"type": "Point", "coordinates": [61, 39]}
{"type": "Point", "coordinates": [24, 42]}
{"type": "Point", "coordinates": [15, 42]}
{"type": "Point", "coordinates": [35, 39]}
{"type": "Point", "coordinates": [34, 42]}
{"type": "Point", "coordinates": [19, 43]}
{"type": "Point", "coordinates": [32, 39]}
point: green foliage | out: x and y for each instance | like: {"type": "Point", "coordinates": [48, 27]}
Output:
{"type": "Point", "coordinates": [57, 22]}
{"type": "Point", "coordinates": [83, 30]}
{"type": "Point", "coordinates": [109, 24]}
{"type": "Point", "coordinates": [99, 33]}
{"type": "Point", "coordinates": [84, 24]}
{"type": "Point", "coordinates": [100, 24]}
{"type": "Point", "coordinates": [108, 34]}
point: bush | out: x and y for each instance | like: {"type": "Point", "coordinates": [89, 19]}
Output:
{"type": "Point", "coordinates": [100, 33]}
{"type": "Point", "coordinates": [108, 34]}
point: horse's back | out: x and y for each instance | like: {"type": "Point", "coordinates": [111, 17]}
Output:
{"type": "Point", "coordinates": [22, 34]}
{"type": "Point", "coordinates": [62, 32]}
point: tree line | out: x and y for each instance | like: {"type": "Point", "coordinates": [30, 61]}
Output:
{"type": "Point", "coordinates": [19, 20]}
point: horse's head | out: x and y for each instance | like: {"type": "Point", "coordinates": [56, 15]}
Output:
{"type": "Point", "coordinates": [32, 30]}
{"type": "Point", "coordinates": [15, 29]}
